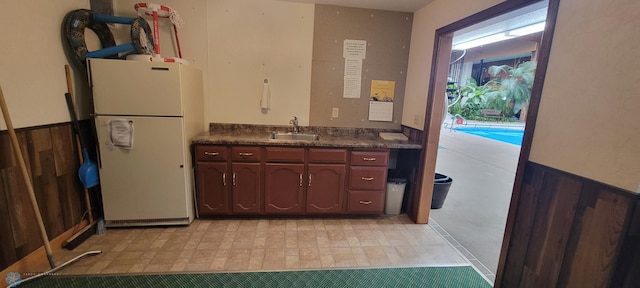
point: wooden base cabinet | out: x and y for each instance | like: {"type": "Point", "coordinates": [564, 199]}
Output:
{"type": "Point", "coordinates": [284, 188]}
{"type": "Point", "coordinates": [367, 181]}
{"type": "Point", "coordinates": [327, 171]}
{"type": "Point", "coordinates": [325, 191]}
{"type": "Point", "coordinates": [229, 180]}
{"type": "Point", "coordinates": [246, 189]}
{"type": "Point", "coordinates": [244, 180]}
{"type": "Point", "coordinates": [212, 195]}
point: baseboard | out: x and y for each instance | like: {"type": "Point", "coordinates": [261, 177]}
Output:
{"type": "Point", "coordinates": [37, 262]}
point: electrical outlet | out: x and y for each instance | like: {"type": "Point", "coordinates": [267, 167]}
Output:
{"type": "Point", "coordinates": [335, 112]}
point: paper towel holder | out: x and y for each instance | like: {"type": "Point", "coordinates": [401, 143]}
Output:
{"type": "Point", "coordinates": [264, 101]}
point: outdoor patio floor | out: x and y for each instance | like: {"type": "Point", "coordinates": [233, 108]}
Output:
{"type": "Point", "coordinates": [475, 210]}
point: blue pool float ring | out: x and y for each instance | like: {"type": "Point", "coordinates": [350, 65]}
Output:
{"type": "Point", "coordinates": [76, 21]}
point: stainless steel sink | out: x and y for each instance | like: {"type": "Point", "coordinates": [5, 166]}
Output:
{"type": "Point", "coordinates": [295, 136]}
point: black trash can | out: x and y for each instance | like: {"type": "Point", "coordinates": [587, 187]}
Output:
{"type": "Point", "coordinates": [441, 185]}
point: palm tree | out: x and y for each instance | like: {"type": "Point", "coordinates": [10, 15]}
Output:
{"type": "Point", "coordinates": [513, 85]}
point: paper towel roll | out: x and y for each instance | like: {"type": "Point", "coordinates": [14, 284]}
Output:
{"type": "Point", "coordinates": [264, 102]}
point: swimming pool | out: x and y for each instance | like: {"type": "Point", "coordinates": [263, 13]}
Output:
{"type": "Point", "coordinates": [511, 135]}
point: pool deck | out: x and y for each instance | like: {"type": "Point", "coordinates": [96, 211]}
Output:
{"type": "Point", "coordinates": [475, 210]}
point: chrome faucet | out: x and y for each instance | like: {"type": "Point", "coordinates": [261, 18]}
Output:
{"type": "Point", "coordinates": [294, 122]}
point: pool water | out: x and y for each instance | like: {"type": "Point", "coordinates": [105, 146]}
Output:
{"type": "Point", "coordinates": [507, 135]}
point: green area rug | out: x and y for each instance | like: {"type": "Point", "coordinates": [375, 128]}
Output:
{"type": "Point", "coordinates": [458, 277]}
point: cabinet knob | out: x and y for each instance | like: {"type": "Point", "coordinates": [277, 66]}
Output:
{"type": "Point", "coordinates": [369, 159]}
{"type": "Point", "coordinates": [365, 202]}
{"type": "Point", "coordinates": [211, 153]}
{"type": "Point", "coordinates": [367, 178]}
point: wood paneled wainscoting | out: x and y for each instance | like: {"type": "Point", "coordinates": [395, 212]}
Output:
{"type": "Point", "coordinates": [52, 160]}
{"type": "Point", "coordinates": [571, 231]}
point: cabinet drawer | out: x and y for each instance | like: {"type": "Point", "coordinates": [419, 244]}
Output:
{"type": "Point", "coordinates": [367, 178]}
{"type": "Point", "coordinates": [285, 155]}
{"type": "Point", "coordinates": [245, 154]}
{"type": "Point", "coordinates": [366, 202]}
{"type": "Point", "coordinates": [327, 155]}
{"type": "Point", "coordinates": [211, 153]}
{"type": "Point", "coordinates": [370, 158]}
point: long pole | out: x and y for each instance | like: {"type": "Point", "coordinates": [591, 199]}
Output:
{"type": "Point", "coordinates": [87, 200]}
{"type": "Point", "coordinates": [27, 178]}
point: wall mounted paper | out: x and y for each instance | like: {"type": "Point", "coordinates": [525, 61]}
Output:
{"type": "Point", "coordinates": [120, 133]}
{"type": "Point", "coordinates": [354, 49]}
{"type": "Point", "coordinates": [352, 86]}
{"type": "Point", "coordinates": [382, 90]}
{"type": "Point", "coordinates": [353, 67]}
{"type": "Point", "coordinates": [380, 111]}
{"type": "Point", "coordinates": [266, 94]}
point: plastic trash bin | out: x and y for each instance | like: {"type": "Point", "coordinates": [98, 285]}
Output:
{"type": "Point", "coordinates": [441, 185]}
{"type": "Point", "coordinates": [395, 194]}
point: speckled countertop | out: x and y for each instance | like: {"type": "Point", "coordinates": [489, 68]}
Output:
{"type": "Point", "coordinates": [247, 134]}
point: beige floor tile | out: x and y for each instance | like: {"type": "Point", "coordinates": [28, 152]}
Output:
{"type": "Point", "coordinates": [263, 244]}
{"type": "Point", "coordinates": [292, 262]}
{"type": "Point", "coordinates": [327, 261]}
{"type": "Point", "coordinates": [310, 264]}
{"type": "Point", "coordinates": [309, 254]}
{"type": "Point", "coordinates": [117, 269]}
{"type": "Point", "coordinates": [255, 263]}
{"type": "Point", "coordinates": [218, 263]}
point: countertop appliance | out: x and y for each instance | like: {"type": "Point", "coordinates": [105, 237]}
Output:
{"type": "Point", "coordinates": [146, 114]}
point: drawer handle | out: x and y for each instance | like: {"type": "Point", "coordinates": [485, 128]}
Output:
{"type": "Point", "coordinates": [245, 154]}
{"type": "Point", "coordinates": [365, 202]}
{"type": "Point", "coordinates": [224, 179]}
{"type": "Point", "coordinates": [367, 178]}
{"type": "Point", "coordinates": [369, 159]}
{"type": "Point", "coordinates": [211, 153]}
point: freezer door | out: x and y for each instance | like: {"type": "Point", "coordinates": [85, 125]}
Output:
{"type": "Point", "coordinates": [149, 181]}
{"type": "Point", "coordinates": [136, 87]}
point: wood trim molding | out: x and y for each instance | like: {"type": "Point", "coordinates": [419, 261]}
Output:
{"type": "Point", "coordinates": [422, 200]}
{"type": "Point", "coordinates": [532, 116]}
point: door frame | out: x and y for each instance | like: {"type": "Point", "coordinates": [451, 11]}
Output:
{"type": "Point", "coordinates": [434, 111]}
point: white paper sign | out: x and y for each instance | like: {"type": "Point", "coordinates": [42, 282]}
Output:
{"type": "Point", "coordinates": [354, 49]}
{"type": "Point", "coordinates": [380, 111]}
{"type": "Point", "coordinates": [352, 86]}
{"type": "Point", "coordinates": [121, 133]}
{"type": "Point", "coordinates": [353, 67]}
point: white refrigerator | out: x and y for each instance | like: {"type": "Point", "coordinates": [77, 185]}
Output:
{"type": "Point", "coordinates": [146, 114]}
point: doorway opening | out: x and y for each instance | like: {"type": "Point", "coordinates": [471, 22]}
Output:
{"type": "Point", "coordinates": [488, 87]}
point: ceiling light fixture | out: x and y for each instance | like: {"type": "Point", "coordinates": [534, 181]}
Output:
{"type": "Point", "coordinates": [514, 33]}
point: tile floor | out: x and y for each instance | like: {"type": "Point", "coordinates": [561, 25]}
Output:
{"type": "Point", "coordinates": [264, 245]}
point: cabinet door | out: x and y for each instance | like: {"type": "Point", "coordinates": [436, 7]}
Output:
{"type": "Point", "coordinates": [284, 188]}
{"type": "Point", "coordinates": [246, 190]}
{"type": "Point", "coordinates": [325, 191]}
{"type": "Point", "coordinates": [212, 193]}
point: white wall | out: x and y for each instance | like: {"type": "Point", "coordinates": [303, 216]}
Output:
{"type": "Point", "coordinates": [253, 40]}
{"type": "Point", "coordinates": [588, 123]}
{"type": "Point", "coordinates": [437, 14]}
{"type": "Point", "coordinates": [238, 44]}
{"type": "Point", "coordinates": [32, 62]}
